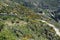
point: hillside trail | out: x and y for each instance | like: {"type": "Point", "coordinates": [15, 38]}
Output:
{"type": "Point", "coordinates": [51, 25]}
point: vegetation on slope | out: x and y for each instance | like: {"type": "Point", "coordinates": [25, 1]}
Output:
{"type": "Point", "coordinates": [19, 23]}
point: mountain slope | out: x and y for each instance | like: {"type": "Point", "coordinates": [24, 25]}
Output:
{"type": "Point", "coordinates": [41, 5]}
{"type": "Point", "coordinates": [17, 22]}
{"type": "Point", "coordinates": [44, 4]}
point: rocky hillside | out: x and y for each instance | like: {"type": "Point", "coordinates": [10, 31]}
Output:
{"type": "Point", "coordinates": [17, 22]}
{"type": "Point", "coordinates": [38, 4]}
{"type": "Point", "coordinates": [52, 5]}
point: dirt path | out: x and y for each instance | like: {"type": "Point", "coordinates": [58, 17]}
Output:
{"type": "Point", "coordinates": [51, 25]}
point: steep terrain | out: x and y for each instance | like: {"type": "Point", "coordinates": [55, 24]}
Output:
{"type": "Point", "coordinates": [40, 5]}
{"type": "Point", "coordinates": [18, 22]}
{"type": "Point", "coordinates": [37, 4]}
